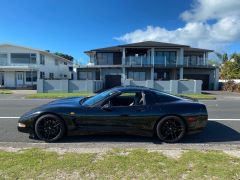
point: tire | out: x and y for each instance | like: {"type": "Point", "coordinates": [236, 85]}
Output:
{"type": "Point", "coordinates": [49, 128]}
{"type": "Point", "coordinates": [171, 129]}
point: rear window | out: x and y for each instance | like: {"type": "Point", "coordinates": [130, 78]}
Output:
{"type": "Point", "coordinates": [162, 98]}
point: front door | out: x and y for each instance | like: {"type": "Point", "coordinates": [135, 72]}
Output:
{"type": "Point", "coordinates": [19, 78]}
{"type": "Point", "coordinates": [1, 79]}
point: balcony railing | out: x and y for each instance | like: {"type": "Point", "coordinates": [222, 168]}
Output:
{"type": "Point", "coordinates": [14, 65]}
{"type": "Point", "coordinates": [199, 61]}
{"type": "Point", "coordinates": [163, 60]}
{"type": "Point", "coordinates": [138, 60]}
{"type": "Point", "coordinates": [146, 60]}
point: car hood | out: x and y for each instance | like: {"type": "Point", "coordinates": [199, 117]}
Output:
{"type": "Point", "coordinates": [71, 100]}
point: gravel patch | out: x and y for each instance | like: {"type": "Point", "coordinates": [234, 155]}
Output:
{"type": "Point", "coordinates": [235, 153]}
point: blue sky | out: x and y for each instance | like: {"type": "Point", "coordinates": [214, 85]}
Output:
{"type": "Point", "coordinates": [72, 26]}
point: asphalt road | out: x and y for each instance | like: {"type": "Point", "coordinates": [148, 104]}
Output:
{"type": "Point", "coordinates": [223, 125]}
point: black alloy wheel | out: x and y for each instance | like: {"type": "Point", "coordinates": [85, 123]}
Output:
{"type": "Point", "coordinates": [171, 129]}
{"type": "Point", "coordinates": [49, 128]}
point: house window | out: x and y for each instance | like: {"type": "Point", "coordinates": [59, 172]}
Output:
{"type": "Point", "coordinates": [23, 58]}
{"type": "Point", "coordinates": [3, 59]}
{"type": "Point", "coordinates": [56, 62]}
{"type": "Point", "coordinates": [65, 76]}
{"type": "Point", "coordinates": [137, 76]}
{"type": "Point", "coordinates": [42, 59]}
{"type": "Point", "coordinates": [70, 68]}
{"type": "Point", "coordinates": [104, 58]}
{"type": "Point", "coordinates": [31, 76]}
{"type": "Point", "coordinates": [42, 75]}
{"type": "Point", "coordinates": [85, 75]}
{"type": "Point", "coordinates": [168, 57]}
{"type": "Point", "coordinates": [65, 63]}
{"type": "Point", "coordinates": [51, 75]}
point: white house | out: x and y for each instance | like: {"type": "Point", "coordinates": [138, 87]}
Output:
{"type": "Point", "coordinates": [21, 67]}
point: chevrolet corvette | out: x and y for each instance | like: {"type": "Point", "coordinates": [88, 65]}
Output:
{"type": "Point", "coordinates": [122, 110]}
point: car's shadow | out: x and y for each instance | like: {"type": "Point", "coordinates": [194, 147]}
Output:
{"type": "Point", "coordinates": [215, 132]}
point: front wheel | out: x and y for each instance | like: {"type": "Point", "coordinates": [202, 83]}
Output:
{"type": "Point", "coordinates": [49, 128]}
{"type": "Point", "coordinates": [171, 129]}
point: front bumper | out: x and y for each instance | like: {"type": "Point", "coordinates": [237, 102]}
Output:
{"type": "Point", "coordinates": [25, 130]}
{"type": "Point", "coordinates": [26, 124]}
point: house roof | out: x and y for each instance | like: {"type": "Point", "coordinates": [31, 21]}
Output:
{"type": "Point", "coordinates": [197, 49]}
{"type": "Point", "coordinates": [41, 51]}
{"type": "Point", "coordinates": [146, 44]}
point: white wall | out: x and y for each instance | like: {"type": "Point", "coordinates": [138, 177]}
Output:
{"type": "Point", "coordinates": [9, 79]}
{"type": "Point", "coordinates": [49, 67]}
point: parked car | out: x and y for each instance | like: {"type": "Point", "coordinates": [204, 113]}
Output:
{"type": "Point", "coordinates": [128, 110]}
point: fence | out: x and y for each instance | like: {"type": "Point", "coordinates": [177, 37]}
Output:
{"type": "Point", "coordinates": [172, 86]}
{"type": "Point", "coordinates": [69, 85]}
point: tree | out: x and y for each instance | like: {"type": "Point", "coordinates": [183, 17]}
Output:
{"type": "Point", "coordinates": [225, 57]}
{"type": "Point", "coordinates": [66, 56]}
{"type": "Point", "coordinates": [230, 70]}
{"type": "Point", "coordinates": [236, 57]}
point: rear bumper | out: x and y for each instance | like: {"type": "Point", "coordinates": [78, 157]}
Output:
{"type": "Point", "coordinates": [196, 124]}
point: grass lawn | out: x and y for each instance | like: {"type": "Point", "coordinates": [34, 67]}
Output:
{"type": "Point", "coordinates": [5, 91]}
{"type": "Point", "coordinates": [199, 96]}
{"type": "Point", "coordinates": [57, 95]}
{"type": "Point", "coordinates": [63, 95]}
{"type": "Point", "coordinates": [116, 164]}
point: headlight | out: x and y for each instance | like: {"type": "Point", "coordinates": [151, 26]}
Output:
{"type": "Point", "coordinates": [21, 125]}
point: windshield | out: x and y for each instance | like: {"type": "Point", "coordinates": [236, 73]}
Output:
{"type": "Point", "coordinates": [99, 97]}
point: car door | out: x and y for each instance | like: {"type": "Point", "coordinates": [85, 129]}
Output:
{"type": "Point", "coordinates": [129, 119]}
{"type": "Point", "coordinates": [96, 119]}
{"type": "Point", "coordinates": [136, 118]}
{"type": "Point", "coordinates": [132, 119]}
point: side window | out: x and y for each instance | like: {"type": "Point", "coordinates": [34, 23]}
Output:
{"type": "Point", "coordinates": [42, 59]}
{"type": "Point", "coordinates": [129, 99]}
{"type": "Point", "coordinates": [161, 98]}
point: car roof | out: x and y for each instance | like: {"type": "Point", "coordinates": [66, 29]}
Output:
{"type": "Point", "coordinates": [132, 88]}
{"type": "Point", "coordinates": [141, 88]}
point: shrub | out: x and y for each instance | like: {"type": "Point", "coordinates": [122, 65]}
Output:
{"type": "Point", "coordinates": [231, 86]}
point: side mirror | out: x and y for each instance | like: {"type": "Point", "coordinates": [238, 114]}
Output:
{"type": "Point", "coordinates": [107, 107]}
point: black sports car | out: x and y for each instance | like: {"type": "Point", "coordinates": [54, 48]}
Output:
{"type": "Point", "coordinates": [129, 110]}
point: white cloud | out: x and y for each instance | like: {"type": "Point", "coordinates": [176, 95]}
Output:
{"type": "Point", "coordinates": [203, 10]}
{"type": "Point", "coordinates": [197, 32]}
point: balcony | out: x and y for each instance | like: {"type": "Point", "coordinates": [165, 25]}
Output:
{"type": "Point", "coordinates": [146, 60]}
{"type": "Point", "coordinates": [198, 62]}
{"type": "Point", "coordinates": [137, 60]}
{"type": "Point", "coordinates": [20, 66]}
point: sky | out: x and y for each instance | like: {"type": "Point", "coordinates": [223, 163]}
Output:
{"type": "Point", "coordinates": [75, 26]}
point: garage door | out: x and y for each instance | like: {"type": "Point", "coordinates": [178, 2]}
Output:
{"type": "Point", "coordinates": [203, 77]}
{"type": "Point", "coordinates": [112, 81]}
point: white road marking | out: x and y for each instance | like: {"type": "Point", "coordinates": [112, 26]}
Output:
{"type": "Point", "coordinates": [224, 119]}
{"type": "Point", "coordinates": [9, 117]}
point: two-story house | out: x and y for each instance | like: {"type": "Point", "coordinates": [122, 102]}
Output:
{"type": "Point", "coordinates": [149, 60]}
{"type": "Point", "coordinates": [21, 67]}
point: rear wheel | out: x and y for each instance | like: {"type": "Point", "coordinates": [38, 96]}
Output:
{"type": "Point", "coordinates": [49, 128]}
{"type": "Point", "coordinates": [171, 129]}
